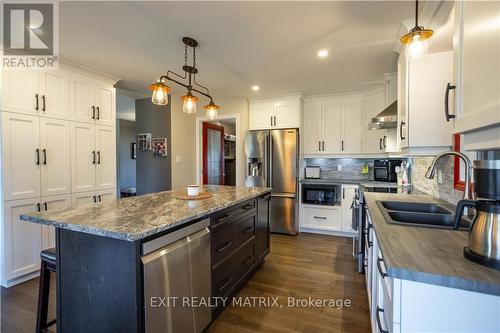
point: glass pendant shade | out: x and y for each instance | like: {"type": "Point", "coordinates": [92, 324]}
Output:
{"type": "Point", "coordinates": [212, 110]}
{"type": "Point", "coordinates": [417, 47]}
{"type": "Point", "coordinates": [160, 93]}
{"type": "Point", "coordinates": [189, 103]}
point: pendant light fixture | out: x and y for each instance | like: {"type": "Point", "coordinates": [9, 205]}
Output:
{"type": "Point", "coordinates": [416, 38]}
{"type": "Point", "coordinates": [161, 90]}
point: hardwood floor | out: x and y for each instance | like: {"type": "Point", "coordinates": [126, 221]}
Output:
{"type": "Point", "coordinates": [307, 265]}
{"type": "Point", "coordinates": [318, 266]}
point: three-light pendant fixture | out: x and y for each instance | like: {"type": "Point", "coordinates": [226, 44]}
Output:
{"type": "Point", "coordinates": [161, 90]}
{"type": "Point", "coordinates": [416, 38]}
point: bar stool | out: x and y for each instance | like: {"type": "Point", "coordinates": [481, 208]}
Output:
{"type": "Point", "coordinates": [48, 265]}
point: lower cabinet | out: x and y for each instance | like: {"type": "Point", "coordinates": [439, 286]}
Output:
{"type": "Point", "coordinates": [239, 243]}
{"type": "Point", "coordinates": [85, 198]}
{"type": "Point", "coordinates": [325, 218]}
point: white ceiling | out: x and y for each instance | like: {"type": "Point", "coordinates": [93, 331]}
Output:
{"type": "Point", "coordinates": [271, 44]}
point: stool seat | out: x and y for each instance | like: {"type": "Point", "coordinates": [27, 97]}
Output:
{"type": "Point", "coordinates": [49, 255]}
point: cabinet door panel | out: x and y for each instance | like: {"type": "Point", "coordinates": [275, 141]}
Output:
{"type": "Point", "coordinates": [313, 127]}
{"type": "Point", "coordinates": [106, 157]}
{"type": "Point", "coordinates": [21, 173]}
{"type": "Point", "coordinates": [55, 155]}
{"type": "Point", "coordinates": [54, 86]}
{"type": "Point", "coordinates": [52, 204]}
{"type": "Point", "coordinates": [18, 91]}
{"type": "Point", "coordinates": [402, 129]}
{"type": "Point", "coordinates": [83, 157]}
{"type": "Point", "coordinates": [348, 192]}
{"type": "Point", "coordinates": [261, 116]}
{"type": "Point", "coordinates": [106, 195]}
{"type": "Point", "coordinates": [22, 239]}
{"type": "Point", "coordinates": [374, 104]}
{"type": "Point", "coordinates": [351, 121]}
{"type": "Point", "coordinates": [105, 114]}
{"type": "Point", "coordinates": [82, 199]}
{"type": "Point", "coordinates": [332, 126]}
{"type": "Point", "coordinates": [323, 218]}
{"type": "Point", "coordinates": [82, 98]}
{"type": "Point", "coordinates": [287, 114]}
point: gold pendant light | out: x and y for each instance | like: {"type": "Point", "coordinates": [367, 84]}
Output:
{"type": "Point", "coordinates": [416, 38]}
{"type": "Point", "coordinates": [212, 110]}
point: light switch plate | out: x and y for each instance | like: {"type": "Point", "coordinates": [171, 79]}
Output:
{"type": "Point", "coordinates": [178, 159]}
{"type": "Point", "coordinates": [339, 168]}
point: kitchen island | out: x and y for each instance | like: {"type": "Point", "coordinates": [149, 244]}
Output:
{"type": "Point", "coordinates": [118, 260]}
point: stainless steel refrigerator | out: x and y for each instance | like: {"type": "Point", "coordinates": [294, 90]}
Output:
{"type": "Point", "coordinates": [272, 161]}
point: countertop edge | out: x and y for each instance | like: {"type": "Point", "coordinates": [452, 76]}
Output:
{"type": "Point", "coordinates": [136, 236]}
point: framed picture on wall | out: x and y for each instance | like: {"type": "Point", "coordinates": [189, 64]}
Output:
{"type": "Point", "coordinates": [160, 146]}
{"type": "Point", "coordinates": [143, 141]}
{"type": "Point", "coordinates": [133, 150]}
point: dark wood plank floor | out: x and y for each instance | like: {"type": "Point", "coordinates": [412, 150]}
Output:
{"type": "Point", "coordinates": [299, 267]}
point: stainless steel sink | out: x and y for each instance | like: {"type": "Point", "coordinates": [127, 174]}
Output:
{"type": "Point", "coordinates": [420, 214]}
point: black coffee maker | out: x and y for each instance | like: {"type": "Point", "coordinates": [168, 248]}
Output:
{"type": "Point", "coordinates": [484, 233]}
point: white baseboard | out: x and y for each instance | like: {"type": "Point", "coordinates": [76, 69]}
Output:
{"type": "Point", "coordinates": [18, 280]}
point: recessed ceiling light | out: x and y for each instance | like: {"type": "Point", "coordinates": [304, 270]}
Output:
{"type": "Point", "coordinates": [255, 88]}
{"type": "Point", "coordinates": [322, 53]}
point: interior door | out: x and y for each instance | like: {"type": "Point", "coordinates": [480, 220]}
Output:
{"type": "Point", "coordinates": [53, 203]}
{"type": "Point", "coordinates": [332, 126]}
{"type": "Point", "coordinates": [22, 239]}
{"type": "Point", "coordinates": [312, 128]}
{"type": "Point", "coordinates": [82, 98]}
{"type": "Point", "coordinates": [106, 157]}
{"type": "Point", "coordinates": [55, 145]}
{"type": "Point", "coordinates": [284, 155]}
{"type": "Point", "coordinates": [54, 87]}
{"type": "Point", "coordinates": [18, 91]}
{"type": "Point", "coordinates": [351, 127]}
{"type": "Point", "coordinates": [83, 157]}
{"type": "Point", "coordinates": [20, 156]}
{"type": "Point", "coordinates": [104, 104]}
{"type": "Point", "coordinates": [213, 154]}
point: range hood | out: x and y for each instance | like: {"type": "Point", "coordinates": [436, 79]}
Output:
{"type": "Point", "coordinates": [388, 118]}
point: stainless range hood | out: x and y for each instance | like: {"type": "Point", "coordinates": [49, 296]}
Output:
{"type": "Point", "coordinates": [388, 118]}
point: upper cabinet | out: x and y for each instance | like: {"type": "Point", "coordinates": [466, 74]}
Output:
{"type": "Point", "coordinates": [275, 113]}
{"type": "Point", "coordinates": [422, 126]}
{"type": "Point", "coordinates": [476, 73]}
{"type": "Point", "coordinates": [374, 141]}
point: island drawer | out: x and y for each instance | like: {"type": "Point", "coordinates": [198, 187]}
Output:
{"type": "Point", "coordinates": [228, 275]}
{"type": "Point", "coordinates": [226, 216]}
{"type": "Point", "coordinates": [225, 241]}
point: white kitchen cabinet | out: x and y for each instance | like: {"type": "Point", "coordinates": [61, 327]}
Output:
{"type": "Point", "coordinates": [349, 191]}
{"type": "Point", "coordinates": [351, 127]}
{"type": "Point", "coordinates": [20, 91]}
{"type": "Point", "coordinates": [322, 218]}
{"type": "Point", "coordinates": [422, 127]}
{"type": "Point", "coordinates": [93, 197]}
{"type": "Point", "coordinates": [373, 140]}
{"type": "Point", "coordinates": [103, 196]}
{"type": "Point", "coordinates": [54, 91]}
{"type": "Point", "coordinates": [332, 127]}
{"type": "Point", "coordinates": [21, 157]}
{"type": "Point", "coordinates": [105, 147]}
{"type": "Point", "coordinates": [52, 203]}
{"type": "Point", "coordinates": [55, 156]}
{"type": "Point", "coordinates": [22, 241]}
{"type": "Point", "coordinates": [313, 127]}
{"type": "Point", "coordinates": [105, 104]}
{"type": "Point", "coordinates": [275, 113]}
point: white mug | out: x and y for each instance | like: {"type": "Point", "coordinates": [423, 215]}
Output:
{"type": "Point", "coordinates": [193, 190]}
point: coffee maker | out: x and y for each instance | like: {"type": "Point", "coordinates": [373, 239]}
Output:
{"type": "Point", "coordinates": [484, 233]}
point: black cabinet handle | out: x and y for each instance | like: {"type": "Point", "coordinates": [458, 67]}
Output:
{"type": "Point", "coordinates": [100, 199]}
{"type": "Point", "coordinates": [342, 144]}
{"type": "Point", "coordinates": [99, 157]}
{"type": "Point", "coordinates": [271, 120]}
{"type": "Point", "coordinates": [370, 243]}
{"type": "Point", "coordinates": [248, 261]}
{"type": "Point", "coordinates": [46, 206]}
{"type": "Point", "coordinates": [401, 124]}
{"type": "Point", "coordinates": [379, 321]}
{"type": "Point", "coordinates": [320, 217]}
{"type": "Point", "coordinates": [44, 156]}
{"type": "Point", "coordinates": [380, 144]}
{"type": "Point", "coordinates": [43, 103]}
{"type": "Point", "coordinates": [274, 120]}
{"type": "Point", "coordinates": [379, 267]}
{"type": "Point", "coordinates": [248, 206]}
{"type": "Point", "coordinates": [319, 145]}
{"type": "Point", "coordinates": [93, 157]}
{"type": "Point", "coordinates": [343, 193]}
{"type": "Point", "coordinates": [223, 218]}
{"type": "Point", "coordinates": [323, 145]}
{"type": "Point", "coordinates": [249, 230]}
{"type": "Point", "coordinates": [98, 113]}
{"type": "Point", "coordinates": [94, 198]}
{"type": "Point", "coordinates": [38, 207]}
{"type": "Point", "coordinates": [225, 246]}
{"type": "Point", "coordinates": [37, 106]}
{"type": "Point", "coordinates": [446, 106]}
{"type": "Point", "coordinates": [384, 141]}
{"type": "Point", "coordinates": [37, 156]}
{"type": "Point", "coordinates": [266, 196]}
{"type": "Point", "coordinates": [93, 112]}
{"type": "Point", "coordinates": [223, 285]}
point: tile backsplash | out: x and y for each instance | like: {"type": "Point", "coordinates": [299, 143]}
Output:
{"type": "Point", "coordinates": [351, 168]}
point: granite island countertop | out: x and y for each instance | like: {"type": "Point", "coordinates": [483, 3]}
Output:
{"type": "Point", "coordinates": [428, 255]}
{"type": "Point", "coordinates": [135, 218]}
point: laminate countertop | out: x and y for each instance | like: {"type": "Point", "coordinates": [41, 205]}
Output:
{"type": "Point", "coordinates": [428, 255]}
{"type": "Point", "coordinates": [135, 218]}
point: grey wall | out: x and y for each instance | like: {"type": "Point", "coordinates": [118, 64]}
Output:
{"type": "Point", "coordinates": [126, 165]}
{"type": "Point", "coordinates": [153, 173]}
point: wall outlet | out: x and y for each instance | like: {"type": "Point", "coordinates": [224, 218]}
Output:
{"type": "Point", "coordinates": [178, 159]}
{"type": "Point", "coordinates": [440, 176]}
{"type": "Point", "coordinates": [339, 168]}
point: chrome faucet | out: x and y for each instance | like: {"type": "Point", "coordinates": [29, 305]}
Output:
{"type": "Point", "coordinates": [468, 171]}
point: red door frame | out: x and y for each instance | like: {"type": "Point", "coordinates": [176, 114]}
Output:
{"type": "Point", "coordinates": [207, 126]}
{"type": "Point", "coordinates": [458, 184]}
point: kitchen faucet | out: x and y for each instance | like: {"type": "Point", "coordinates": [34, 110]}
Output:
{"type": "Point", "coordinates": [468, 171]}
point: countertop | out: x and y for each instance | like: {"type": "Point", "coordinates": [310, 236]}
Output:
{"type": "Point", "coordinates": [135, 218]}
{"type": "Point", "coordinates": [427, 255]}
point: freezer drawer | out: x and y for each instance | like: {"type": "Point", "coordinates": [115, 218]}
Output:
{"type": "Point", "coordinates": [180, 268]}
{"type": "Point", "coordinates": [283, 211]}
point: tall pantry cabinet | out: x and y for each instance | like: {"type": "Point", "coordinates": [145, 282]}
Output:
{"type": "Point", "coordinates": [46, 161]}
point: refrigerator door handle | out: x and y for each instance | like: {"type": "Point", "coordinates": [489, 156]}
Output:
{"type": "Point", "coordinates": [271, 152]}
{"type": "Point", "coordinates": [283, 195]}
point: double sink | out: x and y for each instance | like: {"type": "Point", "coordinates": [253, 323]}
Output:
{"type": "Point", "coordinates": [418, 214]}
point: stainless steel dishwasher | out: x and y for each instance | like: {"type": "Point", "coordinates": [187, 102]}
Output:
{"type": "Point", "coordinates": [177, 268]}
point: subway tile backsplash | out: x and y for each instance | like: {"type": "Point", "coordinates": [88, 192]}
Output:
{"type": "Point", "coordinates": [351, 168]}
